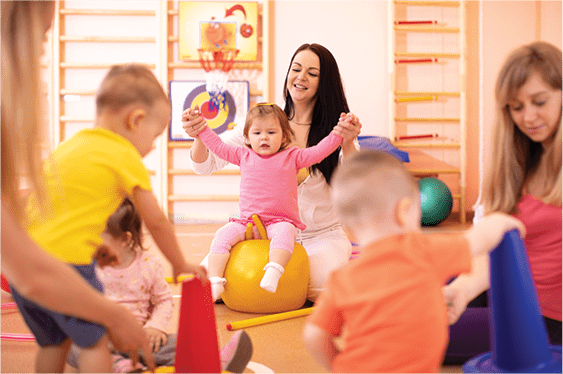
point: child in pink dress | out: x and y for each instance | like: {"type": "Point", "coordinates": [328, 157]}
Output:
{"type": "Point", "coordinates": [137, 281]}
{"type": "Point", "coordinates": [268, 188]}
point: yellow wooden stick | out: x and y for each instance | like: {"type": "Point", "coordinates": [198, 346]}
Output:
{"type": "Point", "coordinates": [248, 233]}
{"type": "Point", "coordinates": [416, 98]}
{"type": "Point", "coordinates": [180, 278]}
{"type": "Point", "coordinates": [170, 369]}
{"type": "Point", "coordinates": [260, 227]}
{"type": "Point", "coordinates": [269, 319]}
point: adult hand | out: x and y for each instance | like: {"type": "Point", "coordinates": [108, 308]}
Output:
{"type": "Point", "coordinates": [128, 336]}
{"type": "Point", "coordinates": [156, 338]}
{"type": "Point", "coordinates": [192, 122]}
{"type": "Point", "coordinates": [349, 127]}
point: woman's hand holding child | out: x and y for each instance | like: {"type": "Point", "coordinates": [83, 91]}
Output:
{"type": "Point", "coordinates": [192, 122]}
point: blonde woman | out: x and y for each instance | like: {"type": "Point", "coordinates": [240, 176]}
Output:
{"type": "Point", "coordinates": [37, 275]}
{"type": "Point", "coordinates": [524, 178]}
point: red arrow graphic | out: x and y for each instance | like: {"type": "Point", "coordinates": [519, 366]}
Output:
{"type": "Point", "coordinates": [231, 11]}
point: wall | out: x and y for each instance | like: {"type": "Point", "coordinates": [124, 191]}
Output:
{"type": "Point", "coordinates": [356, 34]}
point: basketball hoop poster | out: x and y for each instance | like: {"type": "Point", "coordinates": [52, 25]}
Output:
{"type": "Point", "coordinates": [187, 94]}
{"type": "Point", "coordinates": [215, 25]}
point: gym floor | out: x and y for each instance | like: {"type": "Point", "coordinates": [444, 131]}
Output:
{"type": "Point", "coordinates": [277, 346]}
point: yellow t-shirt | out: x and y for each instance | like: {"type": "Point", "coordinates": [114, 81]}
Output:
{"type": "Point", "coordinates": [87, 177]}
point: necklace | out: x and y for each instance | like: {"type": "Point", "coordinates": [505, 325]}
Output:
{"type": "Point", "coordinates": [299, 123]}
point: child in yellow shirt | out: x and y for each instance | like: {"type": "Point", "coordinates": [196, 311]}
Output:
{"type": "Point", "coordinates": [87, 177]}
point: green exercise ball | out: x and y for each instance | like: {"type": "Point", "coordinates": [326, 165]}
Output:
{"type": "Point", "coordinates": [436, 201]}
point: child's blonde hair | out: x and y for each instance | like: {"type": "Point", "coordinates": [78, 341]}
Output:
{"type": "Point", "coordinates": [369, 184]}
{"type": "Point", "coordinates": [128, 84]}
{"type": "Point", "coordinates": [514, 156]}
{"type": "Point", "coordinates": [24, 24]}
{"type": "Point", "coordinates": [263, 110]}
{"type": "Point", "coordinates": [126, 219]}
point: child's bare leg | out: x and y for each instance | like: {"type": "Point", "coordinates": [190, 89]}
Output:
{"type": "Point", "coordinates": [97, 358]}
{"type": "Point", "coordinates": [52, 358]}
{"type": "Point", "coordinates": [274, 269]}
{"type": "Point", "coordinates": [216, 268]}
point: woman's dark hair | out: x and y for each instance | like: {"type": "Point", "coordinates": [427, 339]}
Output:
{"type": "Point", "coordinates": [331, 101]}
{"type": "Point", "coordinates": [126, 219]}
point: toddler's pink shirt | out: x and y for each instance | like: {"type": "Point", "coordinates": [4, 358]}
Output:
{"type": "Point", "coordinates": [142, 289]}
{"type": "Point", "coordinates": [268, 185]}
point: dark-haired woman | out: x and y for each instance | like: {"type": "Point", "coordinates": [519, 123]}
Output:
{"type": "Point", "coordinates": [314, 101]}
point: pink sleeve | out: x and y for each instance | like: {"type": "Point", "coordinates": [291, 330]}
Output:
{"type": "Point", "coordinates": [315, 154]}
{"type": "Point", "coordinates": [223, 150]}
{"type": "Point", "coordinates": [162, 306]}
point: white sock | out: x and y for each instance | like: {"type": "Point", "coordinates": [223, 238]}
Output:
{"type": "Point", "coordinates": [272, 276]}
{"type": "Point", "coordinates": [217, 287]}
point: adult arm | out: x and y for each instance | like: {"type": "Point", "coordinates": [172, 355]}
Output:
{"type": "Point", "coordinates": [349, 128]}
{"type": "Point", "coordinates": [203, 161]}
{"type": "Point", "coordinates": [57, 286]}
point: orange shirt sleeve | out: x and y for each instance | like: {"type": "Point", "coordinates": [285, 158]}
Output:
{"type": "Point", "coordinates": [326, 315]}
{"type": "Point", "coordinates": [449, 254]}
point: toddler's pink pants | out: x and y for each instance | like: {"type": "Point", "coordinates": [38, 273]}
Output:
{"type": "Point", "coordinates": [281, 234]}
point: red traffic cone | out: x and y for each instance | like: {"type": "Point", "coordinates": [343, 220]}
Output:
{"type": "Point", "coordinates": [197, 349]}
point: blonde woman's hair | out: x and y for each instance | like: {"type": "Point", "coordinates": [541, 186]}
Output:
{"type": "Point", "coordinates": [24, 24]}
{"type": "Point", "coordinates": [264, 110]}
{"type": "Point", "coordinates": [514, 156]}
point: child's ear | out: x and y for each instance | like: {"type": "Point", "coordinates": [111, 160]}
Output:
{"type": "Point", "coordinates": [135, 117]}
{"type": "Point", "coordinates": [402, 211]}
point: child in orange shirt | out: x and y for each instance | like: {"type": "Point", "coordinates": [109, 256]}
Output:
{"type": "Point", "coordinates": [389, 301]}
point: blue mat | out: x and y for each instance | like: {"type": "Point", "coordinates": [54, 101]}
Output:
{"type": "Point", "coordinates": [378, 143]}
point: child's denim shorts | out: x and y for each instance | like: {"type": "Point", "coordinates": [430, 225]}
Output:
{"type": "Point", "coordinates": [51, 328]}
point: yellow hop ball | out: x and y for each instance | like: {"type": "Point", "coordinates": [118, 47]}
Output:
{"type": "Point", "coordinates": [244, 272]}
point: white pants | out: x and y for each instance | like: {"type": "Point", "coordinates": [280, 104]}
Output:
{"type": "Point", "coordinates": [327, 252]}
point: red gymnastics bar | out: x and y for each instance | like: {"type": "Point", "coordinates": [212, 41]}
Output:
{"type": "Point", "coordinates": [416, 22]}
{"type": "Point", "coordinates": [417, 60]}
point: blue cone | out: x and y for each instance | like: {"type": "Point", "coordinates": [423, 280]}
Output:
{"type": "Point", "coordinates": [518, 336]}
